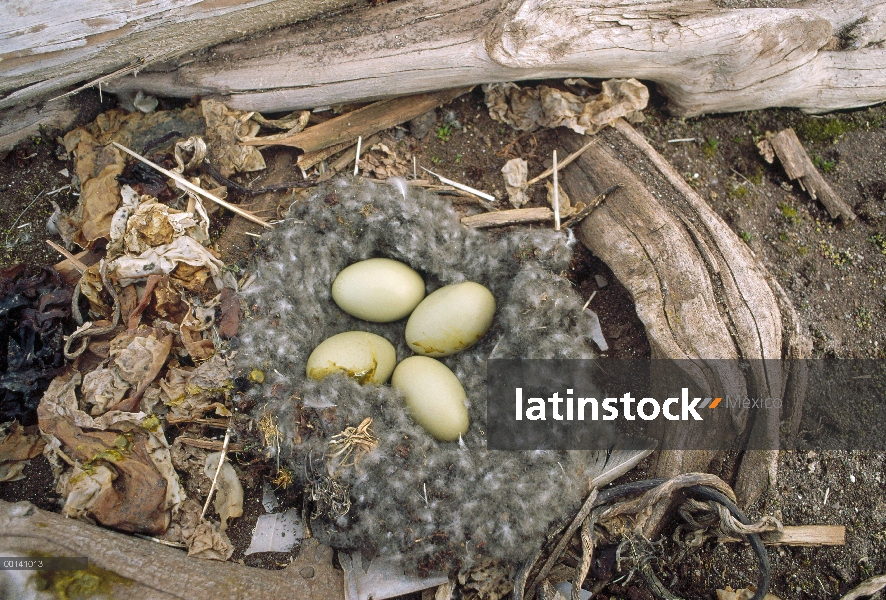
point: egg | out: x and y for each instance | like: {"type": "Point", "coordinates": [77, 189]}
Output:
{"type": "Point", "coordinates": [380, 290]}
{"type": "Point", "coordinates": [366, 357]}
{"type": "Point", "coordinates": [451, 319]}
{"type": "Point", "coordinates": [434, 396]}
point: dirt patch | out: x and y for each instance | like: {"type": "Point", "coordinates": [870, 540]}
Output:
{"type": "Point", "coordinates": [835, 274]}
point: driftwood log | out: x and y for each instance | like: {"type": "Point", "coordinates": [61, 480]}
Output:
{"type": "Point", "coordinates": [700, 292]}
{"type": "Point", "coordinates": [48, 46]}
{"type": "Point", "coordinates": [122, 566]}
{"type": "Point", "coordinates": [817, 55]}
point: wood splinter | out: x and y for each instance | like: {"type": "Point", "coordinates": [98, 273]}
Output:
{"type": "Point", "coordinates": [198, 190]}
{"type": "Point", "coordinates": [508, 217]}
{"type": "Point", "coordinates": [801, 535]}
{"type": "Point", "coordinates": [797, 164]}
{"type": "Point", "coordinates": [213, 445]}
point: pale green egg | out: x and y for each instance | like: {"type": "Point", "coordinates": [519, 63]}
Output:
{"type": "Point", "coordinates": [380, 290]}
{"type": "Point", "coordinates": [434, 396]}
{"type": "Point", "coordinates": [451, 319]}
{"type": "Point", "coordinates": [366, 357]}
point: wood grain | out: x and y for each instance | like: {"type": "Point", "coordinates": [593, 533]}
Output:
{"type": "Point", "coordinates": [704, 58]}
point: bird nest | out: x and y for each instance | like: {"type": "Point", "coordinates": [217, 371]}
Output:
{"type": "Point", "coordinates": [397, 490]}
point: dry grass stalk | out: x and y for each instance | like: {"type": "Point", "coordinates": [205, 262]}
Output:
{"type": "Point", "coordinates": [221, 462]}
{"type": "Point", "coordinates": [198, 190]}
{"type": "Point", "coordinates": [349, 446]}
{"type": "Point", "coordinates": [561, 165]}
{"type": "Point", "coordinates": [71, 258]}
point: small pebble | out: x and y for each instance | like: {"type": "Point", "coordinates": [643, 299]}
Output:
{"type": "Point", "coordinates": [601, 281]}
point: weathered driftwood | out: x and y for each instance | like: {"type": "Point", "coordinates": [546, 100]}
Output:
{"type": "Point", "coordinates": [798, 165]}
{"type": "Point", "coordinates": [31, 119]}
{"type": "Point", "coordinates": [502, 218]}
{"type": "Point", "coordinates": [802, 535]}
{"type": "Point", "coordinates": [817, 55]}
{"type": "Point", "coordinates": [47, 46]}
{"type": "Point", "coordinates": [128, 567]}
{"type": "Point", "coordinates": [701, 294]}
{"type": "Point", "coordinates": [365, 121]}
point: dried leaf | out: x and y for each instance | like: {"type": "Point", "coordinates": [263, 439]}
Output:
{"type": "Point", "coordinates": [16, 449]}
{"type": "Point", "coordinates": [223, 128]}
{"type": "Point", "coordinates": [190, 277]}
{"type": "Point", "coordinates": [92, 286]}
{"type": "Point", "coordinates": [188, 392]}
{"type": "Point", "coordinates": [515, 172]}
{"type": "Point", "coordinates": [228, 501]}
{"type": "Point", "coordinates": [203, 539]}
{"type": "Point", "coordinates": [565, 203]}
{"type": "Point", "coordinates": [130, 446]}
{"type": "Point", "coordinates": [98, 163]}
{"type": "Point", "coordinates": [138, 356]}
{"type": "Point", "coordinates": [162, 260]}
{"type": "Point", "coordinates": [229, 323]}
{"type": "Point", "coordinates": [742, 594]}
{"type": "Point", "coordinates": [528, 109]}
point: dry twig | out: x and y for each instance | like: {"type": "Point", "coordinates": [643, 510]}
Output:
{"type": "Point", "coordinates": [221, 462]}
{"type": "Point", "coordinates": [198, 190]}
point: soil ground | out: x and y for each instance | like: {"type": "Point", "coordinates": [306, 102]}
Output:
{"type": "Point", "coordinates": [834, 273]}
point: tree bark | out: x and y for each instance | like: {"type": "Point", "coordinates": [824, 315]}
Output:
{"type": "Point", "coordinates": [703, 297]}
{"type": "Point", "coordinates": [815, 55]}
{"type": "Point", "coordinates": [46, 46]}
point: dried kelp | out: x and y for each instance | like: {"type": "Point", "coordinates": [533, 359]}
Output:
{"type": "Point", "coordinates": [34, 306]}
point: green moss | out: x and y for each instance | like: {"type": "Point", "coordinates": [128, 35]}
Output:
{"type": "Point", "coordinates": [789, 212]}
{"type": "Point", "coordinates": [757, 177]}
{"type": "Point", "coordinates": [825, 165]}
{"type": "Point", "coordinates": [840, 258]}
{"type": "Point", "coordinates": [825, 131]}
{"type": "Point", "coordinates": [74, 585]}
{"type": "Point", "coordinates": [709, 148]}
{"type": "Point", "coordinates": [738, 192]}
{"type": "Point", "coordinates": [864, 320]}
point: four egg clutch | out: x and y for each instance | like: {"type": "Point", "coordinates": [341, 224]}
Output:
{"type": "Point", "coordinates": [451, 319]}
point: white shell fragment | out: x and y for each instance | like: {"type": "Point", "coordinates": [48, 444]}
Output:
{"type": "Point", "coordinates": [434, 396]}
{"type": "Point", "coordinates": [268, 498]}
{"type": "Point", "coordinates": [596, 330]}
{"type": "Point", "coordinates": [380, 290]}
{"type": "Point", "coordinates": [366, 357]}
{"type": "Point", "coordinates": [276, 533]}
{"type": "Point", "coordinates": [383, 578]}
{"type": "Point", "coordinates": [453, 318]}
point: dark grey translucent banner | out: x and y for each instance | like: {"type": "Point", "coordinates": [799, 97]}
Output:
{"type": "Point", "coordinates": [821, 404]}
{"type": "Point", "coordinates": [52, 563]}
